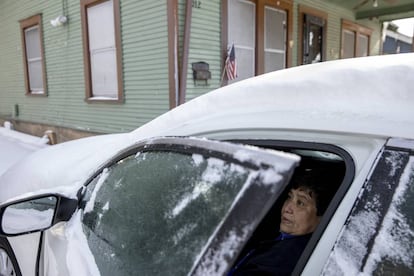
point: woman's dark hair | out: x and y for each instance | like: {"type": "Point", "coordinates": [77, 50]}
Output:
{"type": "Point", "coordinates": [321, 184]}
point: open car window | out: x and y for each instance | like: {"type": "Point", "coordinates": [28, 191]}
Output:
{"type": "Point", "coordinates": [180, 205]}
{"type": "Point", "coordinates": [332, 168]}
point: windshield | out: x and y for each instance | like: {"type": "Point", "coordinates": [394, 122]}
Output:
{"type": "Point", "coordinates": [153, 213]}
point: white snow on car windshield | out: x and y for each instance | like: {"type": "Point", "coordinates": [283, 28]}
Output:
{"type": "Point", "coordinates": [218, 264]}
{"type": "Point", "coordinates": [89, 206]}
{"type": "Point", "coordinates": [197, 159]}
{"type": "Point", "coordinates": [395, 239]}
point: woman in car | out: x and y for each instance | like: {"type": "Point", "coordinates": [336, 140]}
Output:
{"type": "Point", "coordinates": [308, 197]}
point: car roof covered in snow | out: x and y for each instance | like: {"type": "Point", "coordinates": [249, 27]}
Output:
{"type": "Point", "coordinates": [368, 96]}
{"type": "Point", "coordinates": [371, 95]}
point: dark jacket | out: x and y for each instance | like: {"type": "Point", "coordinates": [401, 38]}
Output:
{"type": "Point", "coordinates": [274, 257]}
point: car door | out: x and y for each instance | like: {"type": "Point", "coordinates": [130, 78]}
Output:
{"type": "Point", "coordinates": [170, 206]}
{"type": "Point", "coordinates": [378, 237]}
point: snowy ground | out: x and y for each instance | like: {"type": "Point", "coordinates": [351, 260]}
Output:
{"type": "Point", "coordinates": [15, 145]}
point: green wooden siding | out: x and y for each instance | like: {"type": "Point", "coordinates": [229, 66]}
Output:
{"type": "Point", "coordinates": [145, 67]}
{"type": "Point", "coordinates": [205, 45]}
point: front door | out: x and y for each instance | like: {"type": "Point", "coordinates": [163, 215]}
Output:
{"type": "Point", "coordinates": [313, 30]}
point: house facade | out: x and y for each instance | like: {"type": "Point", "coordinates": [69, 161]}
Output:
{"type": "Point", "coordinates": [82, 67]}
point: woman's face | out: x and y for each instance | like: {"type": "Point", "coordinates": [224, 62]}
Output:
{"type": "Point", "coordinates": [299, 213]}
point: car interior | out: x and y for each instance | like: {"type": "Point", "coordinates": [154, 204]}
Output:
{"type": "Point", "coordinates": [330, 163]}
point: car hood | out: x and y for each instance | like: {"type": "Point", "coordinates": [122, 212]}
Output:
{"type": "Point", "coordinates": [63, 167]}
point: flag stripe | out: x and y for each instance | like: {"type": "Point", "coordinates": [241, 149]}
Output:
{"type": "Point", "coordinates": [231, 64]}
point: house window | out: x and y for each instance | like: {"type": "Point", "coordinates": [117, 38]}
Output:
{"type": "Point", "coordinates": [355, 40]}
{"type": "Point", "coordinates": [260, 32]}
{"type": "Point", "coordinates": [33, 58]}
{"type": "Point", "coordinates": [102, 50]}
{"type": "Point", "coordinates": [312, 33]}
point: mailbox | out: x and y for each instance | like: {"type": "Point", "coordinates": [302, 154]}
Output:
{"type": "Point", "coordinates": [201, 72]}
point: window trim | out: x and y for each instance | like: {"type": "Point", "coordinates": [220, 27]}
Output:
{"type": "Point", "coordinates": [85, 4]}
{"type": "Point", "coordinates": [357, 29]}
{"type": "Point", "coordinates": [303, 10]}
{"type": "Point", "coordinates": [35, 20]}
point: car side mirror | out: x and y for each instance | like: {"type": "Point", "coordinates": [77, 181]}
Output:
{"type": "Point", "coordinates": [35, 214]}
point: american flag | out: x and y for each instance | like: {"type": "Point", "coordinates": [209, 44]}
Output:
{"type": "Point", "coordinates": [231, 64]}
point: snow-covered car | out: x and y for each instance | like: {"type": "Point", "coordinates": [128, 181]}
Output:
{"type": "Point", "coordinates": [189, 191]}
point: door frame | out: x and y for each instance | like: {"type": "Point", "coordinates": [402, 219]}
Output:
{"type": "Point", "coordinates": [303, 10]}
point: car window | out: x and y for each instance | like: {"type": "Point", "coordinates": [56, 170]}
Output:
{"type": "Point", "coordinates": [393, 249]}
{"type": "Point", "coordinates": [155, 211]}
{"type": "Point", "coordinates": [378, 237]}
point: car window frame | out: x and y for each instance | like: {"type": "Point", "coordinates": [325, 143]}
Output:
{"type": "Point", "coordinates": [218, 149]}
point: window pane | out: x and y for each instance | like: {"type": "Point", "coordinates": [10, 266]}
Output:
{"type": "Point", "coordinates": [245, 63]}
{"type": "Point", "coordinates": [101, 28]}
{"type": "Point", "coordinates": [104, 73]}
{"type": "Point", "coordinates": [363, 44]}
{"type": "Point", "coordinates": [32, 38]}
{"type": "Point", "coordinates": [242, 23]}
{"type": "Point", "coordinates": [349, 44]}
{"type": "Point", "coordinates": [101, 31]}
{"type": "Point", "coordinates": [274, 61]}
{"type": "Point", "coordinates": [378, 236]}
{"type": "Point", "coordinates": [275, 39]}
{"type": "Point", "coordinates": [393, 250]}
{"type": "Point", "coordinates": [147, 221]}
{"type": "Point", "coordinates": [275, 33]}
{"type": "Point", "coordinates": [35, 76]}
{"type": "Point", "coordinates": [241, 32]}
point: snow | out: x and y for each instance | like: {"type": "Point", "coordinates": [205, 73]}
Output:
{"type": "Point", "coordinates": [60, 168]}
{"type": "Point", "coordinates": [91, 203]}
{"type": "Point", "coordinates": [79, 258]}
{"type": "Point", "coordinates": [15, 145]}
